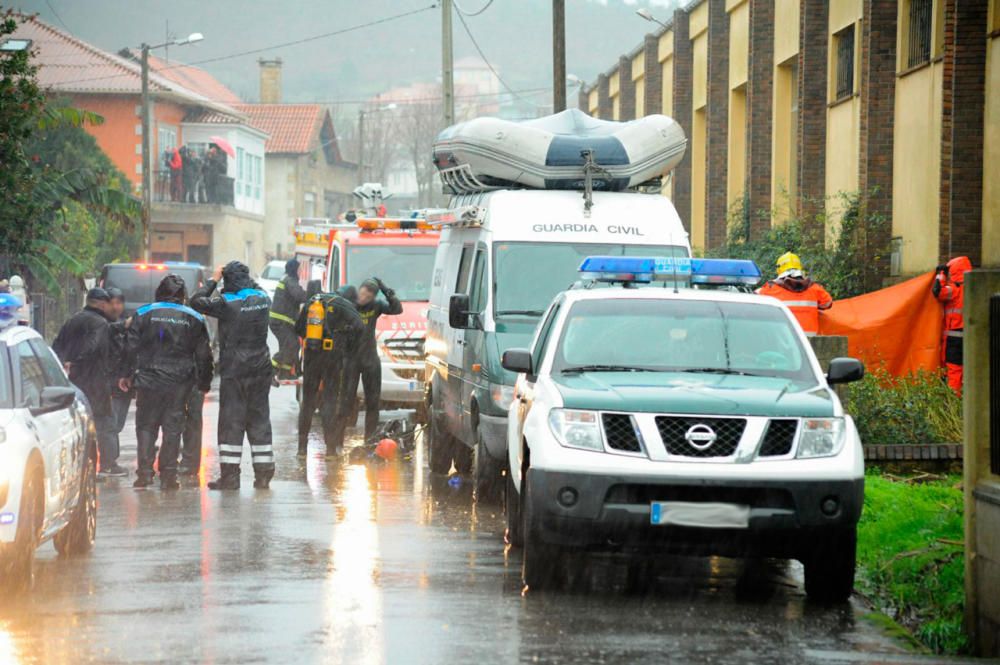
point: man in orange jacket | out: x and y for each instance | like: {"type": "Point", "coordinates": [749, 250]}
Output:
{"type": "Point", "coordinates": [949, 289]}
{"type": "Point", "coordinates": [799, 293]}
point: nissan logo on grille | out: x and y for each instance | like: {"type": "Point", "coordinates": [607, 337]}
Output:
{"type": "Point", "coordinates": [701, 436]}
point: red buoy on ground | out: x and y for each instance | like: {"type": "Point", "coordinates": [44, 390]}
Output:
{"type": "Point", "coordinates": [386, 449]}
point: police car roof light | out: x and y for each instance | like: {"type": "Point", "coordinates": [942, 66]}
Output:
{"type": "Point", "coordinates": [9, 305]}
{"type": "Point", "coordinates": [650, 268]}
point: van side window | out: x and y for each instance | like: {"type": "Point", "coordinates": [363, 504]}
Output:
{"type": "Point", "coordinates": [477, 291]}
{"type": "Point", "coordinates": [544, 333]}
{"type": "Point", "coordinates": [462, 283]}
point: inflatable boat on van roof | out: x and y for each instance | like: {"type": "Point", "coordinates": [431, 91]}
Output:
{"type": "Point", "coordinates": [558, 152]}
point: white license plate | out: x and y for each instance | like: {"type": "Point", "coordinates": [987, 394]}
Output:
{"type": "Point", "coordinates": [698, 514]}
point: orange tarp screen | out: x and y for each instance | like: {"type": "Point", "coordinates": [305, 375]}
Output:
{"type": "Point", "coordinates": [899, 327]}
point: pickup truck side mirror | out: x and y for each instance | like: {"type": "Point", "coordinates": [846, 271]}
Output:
{"type": "Point", "coordinates": [517, 360]}
{"type": "Point", "coordinates": [845, 370]}
{"type": "Point", "coordinates": [54, 398]}
{"type": "Point", "coordinates": [458, 311]}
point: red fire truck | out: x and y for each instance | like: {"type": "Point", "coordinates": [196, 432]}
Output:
{"type": "Point", "coordinates": [400, 252]}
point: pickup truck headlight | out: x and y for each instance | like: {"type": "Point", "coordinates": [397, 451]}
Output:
{"type": "Point", "coordinates": [502, 395]}
{"type": "Point", "coordinates": [821, 437]}
{"type": "Point", "coordinates": [576, 429]}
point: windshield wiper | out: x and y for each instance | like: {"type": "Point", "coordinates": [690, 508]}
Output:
{"type": "Point", "coordinates": [717, 370]}
{"type": "Point", "coordinates": [520, 312]}
{"type": "Point", "coordinates": [604, 368]}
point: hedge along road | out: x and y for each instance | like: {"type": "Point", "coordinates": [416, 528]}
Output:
{"type": "Point", "coordinates": [372, 564]}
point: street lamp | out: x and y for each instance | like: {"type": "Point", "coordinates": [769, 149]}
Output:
{"type": "Point", "coordinates": [361, 134]}
{"type": "Point", "coordinates": [646, 14]}
{"type": "Point", "coordinates": [147, 180]}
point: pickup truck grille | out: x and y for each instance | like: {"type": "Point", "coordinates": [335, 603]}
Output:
{"type": "Point", "coordinates": [779, 438]}
{"type": "Point", "coordinates": [619, 430]}
{"type": "Point", "coordinates": [673, 430]}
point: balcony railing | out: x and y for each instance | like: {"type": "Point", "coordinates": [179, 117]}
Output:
{"type": "Point", "coordinates": [174, 186]}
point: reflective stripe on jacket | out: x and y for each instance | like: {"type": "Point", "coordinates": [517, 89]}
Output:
{"type": "Point", "coordinates": [805, 304]}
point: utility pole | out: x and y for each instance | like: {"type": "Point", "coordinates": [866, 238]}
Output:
{"type": "Point", "coordinates": [147, 176]}
{"type": "Point", "coordinates": [447, 65]}
{"type": "Point", "coordinates": [558, 55]}
{"type": "Point", "coordinates": [361, 144]}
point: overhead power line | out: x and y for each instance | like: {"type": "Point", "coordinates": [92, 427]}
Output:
{"type": "Point", "coordinates": [482, 55]}
{"type": "Point", "coordinates": [272, 47]}
{"type": "Point", "coordinates": [462, 11]}
{"type": "Point", "coordinates": [59, 18]}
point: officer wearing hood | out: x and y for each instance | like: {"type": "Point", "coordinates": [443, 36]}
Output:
{"type": "Point", "coordinates": [325, 361]}
{"type": "Point", "coordinates": [245, 370]}
{"type": "Point", "coordinates": [167, 351]}
{"type": "Point", "coordinates": [288, 299]}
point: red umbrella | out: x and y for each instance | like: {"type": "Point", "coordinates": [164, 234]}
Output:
{"type": "Point", "coordinates": [223, 145]}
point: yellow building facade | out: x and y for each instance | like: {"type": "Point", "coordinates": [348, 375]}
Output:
{"type": "Point", "coordinates": [787, 103]}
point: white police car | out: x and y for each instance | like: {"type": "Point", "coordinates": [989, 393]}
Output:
{"type": "Point", "coordinates": [47, 455]}
{"type": "Point", "coordinates": [690, 420]}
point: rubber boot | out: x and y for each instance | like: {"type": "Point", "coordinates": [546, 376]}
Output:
{"type": "Point", "coordinates": [143, 480]}
{"type": "Point", "coordinates": [303, 446]}
{"type": "Point", "coordinates": [262, 476]}
{"type": "Point", "coordinates": [229, 478]}
{"type": "Point", "coordinates": [168, 481]}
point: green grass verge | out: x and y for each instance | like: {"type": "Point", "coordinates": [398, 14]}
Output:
{"type": "Point", "coordinates": [910, 558]}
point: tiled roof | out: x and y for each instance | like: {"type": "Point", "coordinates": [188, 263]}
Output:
{"type": "Point", "coordinates": [194, 79]}
{"type": "Point", "coordinates": [68, 64]}
{"type": "Point", "coordinates": [210, 117]}
{"type": "Point", "coordinates": [293, 128]}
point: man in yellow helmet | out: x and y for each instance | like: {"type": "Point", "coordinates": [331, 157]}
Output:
{"type": "Point", "coordinates": [799, 293]}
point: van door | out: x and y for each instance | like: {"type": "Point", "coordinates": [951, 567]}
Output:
{"type": "Point", "coordinates": [455, 338]}
{"type": "Point", "coordinates": [475, 339]}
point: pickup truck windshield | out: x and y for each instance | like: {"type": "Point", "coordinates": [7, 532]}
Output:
{"type": "Point", "coordinates": [527, 275]}
{"type": "Point", "coordinates": [405, 268]}
{"type": "Point", "coordinates": [697, 337]}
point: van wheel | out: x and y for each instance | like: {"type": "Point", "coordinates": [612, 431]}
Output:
{"type": "Point", "coordinates": [485, 470]}
{"type": "Point", "coordinates": [540, 561]}
{"type": "Point", "coordinates": [439, 446]}
{"type": "Point", "coordinates": [78, 536]}
{"type": "Point", "coordinates": [829, 566]}
{"type": "Point", "coordinates": [19, 565]}
{"type": "Point", "coordinates": [512, 505]}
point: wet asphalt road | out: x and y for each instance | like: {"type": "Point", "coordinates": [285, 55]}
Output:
{"type": "Point", "coordinates": [343, 563]}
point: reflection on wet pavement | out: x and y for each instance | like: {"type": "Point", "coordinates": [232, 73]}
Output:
{"type": "Point", "coordinates": [380, 563]}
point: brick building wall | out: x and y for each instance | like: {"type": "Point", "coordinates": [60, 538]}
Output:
{"type": "Point", "coordinates": [717, 125]}
{"type": "Point", "coordinates": [877, 87]}
{"type": "Point", "coordinates": [760, 94]}
{"type": "Point", "coordinates": [603, 97]}
{"type": "Point", "coordinates": [963, 99]}
{"type": "Point", "coordinates": [811, 176]}
{"type": "Point", "coordinates": [626, 89]}
{"type": "Point", "coordinates": [683, 78]}
{"type": "Point", "coordinates": [653, 100]}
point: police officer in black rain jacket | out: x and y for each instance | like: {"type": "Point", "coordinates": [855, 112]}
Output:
{"type": "Point", "coordinates": [167, 347]}
{"type": "Point", "coordinates": [245, 371]}
{"type": "Point", "coordinates": [325, 364]}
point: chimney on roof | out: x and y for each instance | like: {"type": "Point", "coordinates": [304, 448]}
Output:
{"type": "Point", "coordinates": [270, 81]}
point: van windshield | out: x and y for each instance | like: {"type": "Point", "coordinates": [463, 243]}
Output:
{"type": "Point", "coordinates": [405, 268]}
{"type": "Point", "coordinates": [139, 284]}
{"type": "Point", "coordinates": [527, 275]}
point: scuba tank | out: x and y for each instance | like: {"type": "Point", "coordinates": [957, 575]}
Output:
{"type": "Point", "coordinates": [315, 317]}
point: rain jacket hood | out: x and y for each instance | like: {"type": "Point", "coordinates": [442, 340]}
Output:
{"type": "Point", "coordinates": [171, 289]}
{"type": "Point", "coordinates": [292, 267]}
{"type": "Point", "coordinates": [236, 277]}
{"type": "Point", "coordinates": [957, 268]}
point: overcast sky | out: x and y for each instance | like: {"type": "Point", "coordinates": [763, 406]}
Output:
{"type": "Point", "coordinates": [515, 35]}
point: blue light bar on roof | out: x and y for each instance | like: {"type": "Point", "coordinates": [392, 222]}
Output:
{"type": "Point", "coordinates": [9, 304]}
{"type": "Point", "coordinates": [724, 271]}
{"type": "Point", "coordinates": [645, 269]}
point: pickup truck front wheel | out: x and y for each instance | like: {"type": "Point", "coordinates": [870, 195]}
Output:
{"type": "Point", "coordinates": [829, 566]}
{"type": "Point", "coordinates": [540, 561]}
